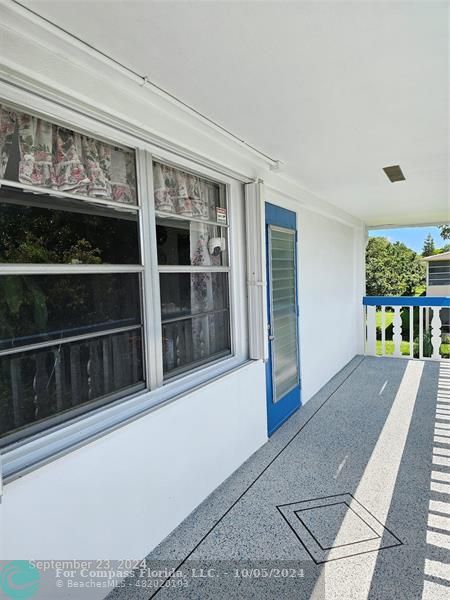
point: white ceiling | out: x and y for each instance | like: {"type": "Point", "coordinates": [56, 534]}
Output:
{"type": "Point", "coordinates": [335, 90]}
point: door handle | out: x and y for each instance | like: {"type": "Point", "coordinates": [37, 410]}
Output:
{"type": "Point", "coordinates": [271, 338]}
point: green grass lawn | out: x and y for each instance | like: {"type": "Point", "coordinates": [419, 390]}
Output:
{"type": "Point", "coordinates": [420, 290]}
{"type": "Point", "coordinates": [388, 319]}
{"type": "Point", "coordinates": [404, 348]}
{"type": "Point", "coordinates": [389, 344]}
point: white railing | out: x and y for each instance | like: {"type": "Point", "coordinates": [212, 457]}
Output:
{"type": "Point", "coordinates": [408, 327]}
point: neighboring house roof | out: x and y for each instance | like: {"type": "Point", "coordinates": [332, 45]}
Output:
{"type": "Point", "coordinates": [443, 256]}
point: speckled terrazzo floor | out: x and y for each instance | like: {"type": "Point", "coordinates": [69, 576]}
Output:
{"type": "Point", "coordinates": [350, 499]}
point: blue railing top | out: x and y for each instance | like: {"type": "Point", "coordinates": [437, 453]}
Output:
{"type": "Point", "coordinates": [406, 300]}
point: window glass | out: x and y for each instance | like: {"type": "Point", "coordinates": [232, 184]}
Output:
{"type": "Point", "coordinates": [184, 294]}
{"type": "Point", "coordinates": [193, 342]}
{"type": "Point", "coordinates": [194, 305]}
{"type": "Point", "coordinates": [35, 152]}
{"type": "Point", "coordinates": [183, 242]}
{"type": "Point", "coordinates": [51, 381]}
{"type": "Point", "coordinates": [36, 308]}
{"type": "Point", "coordinates": [70, 273]}
{"type": "Point", "coordinates": [40, 230]}
{"type": "Point", "coordinates": [439, 272]}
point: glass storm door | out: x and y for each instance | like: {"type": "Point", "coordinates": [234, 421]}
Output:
{"type": "Point", "coordinates": [283, 377]}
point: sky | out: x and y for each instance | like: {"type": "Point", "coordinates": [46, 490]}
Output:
{"type": "Point", "coordinates": [413, 237]}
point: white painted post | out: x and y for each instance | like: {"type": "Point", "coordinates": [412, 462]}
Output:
{"type": "Point", "coordinates": [371, 321]}
{"type": "Point", "coordinates": [411, 332]}
{"type": "Point", "coordinates": [397, 337]}
{"type": "Point", "coordinates": [436, 325]}
{"type": "Point", "coordinates": [420, 332]}
{"type": "Point", "coordinates": [383, 332]}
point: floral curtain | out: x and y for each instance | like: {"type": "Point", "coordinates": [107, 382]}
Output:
{"type": "Point", "coordinates": [58, 158]}
{"type": "Point", "coordinates": [202, 299]}
{"type": "Point", "coordinates": [183, 194]}
{"type": "Point", "coordinates": [7, 128]}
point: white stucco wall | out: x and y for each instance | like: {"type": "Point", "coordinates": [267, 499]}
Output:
{"type": "Point", "coordinates": [330, 288]}
{"type": "Point", "coordinates": [120, 495]}
{"type": "Point", "coordinates": [438, 290]}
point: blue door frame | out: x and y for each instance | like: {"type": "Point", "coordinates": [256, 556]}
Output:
{"type": "Point", "coordinates": [279, 412]}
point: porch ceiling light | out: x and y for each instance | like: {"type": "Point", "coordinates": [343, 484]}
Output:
{"type": "Point", "coordinates": [394, 173]}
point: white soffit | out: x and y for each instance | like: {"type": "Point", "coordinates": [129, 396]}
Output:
{"type": "Point", "coordinates": [334, 90]}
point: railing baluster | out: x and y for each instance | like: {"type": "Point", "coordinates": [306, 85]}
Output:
{"type": "Point", "coordinates": [75, 374]}
{"type": "Point", "coordinates": [371, 330]}
{"type": "Point", "coordinates": [436, 333]}
{"type": "Point", "coordinates": [430, 331]}
{"type": "Point", "coordinates": [117, 361]}
{"type": "Point", "coordinates": [106, 347]}
{"type": "Point", "coordinates": [188, 345]}
{"type": "Point", "coordinates": [17, 391]}
{"type": "Point", "coordinates": [59, 379]}
{"type": "Point", "coordinates": [421, 332]}
{"type": "Point", "coordinates": [411, 332]}
{"type": "Point", "coordinates": [40, 386]}
{"type": "Point", "coordinates": [397, 337]}
{"type": "Point", "coordinates": [178, 350]}
{"type": "Point", "coordinates": [134, 340]}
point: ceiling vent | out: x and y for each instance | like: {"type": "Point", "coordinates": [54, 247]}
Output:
{"type": "Point", "coordinates": [394, 173]}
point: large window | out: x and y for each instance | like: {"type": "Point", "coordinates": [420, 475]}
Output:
{"type": "Point", "coordinates": [70, 274]}
{"type": "Point", "coordinates": [192, 242]}
{"type": "Point", "coordinates": [77, 275]}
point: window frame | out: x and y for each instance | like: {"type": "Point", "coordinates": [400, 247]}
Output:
{"type": "Point", "coordinates": [31, 430]}
{"type": "Point", "coordinates": [74, 430]}
{"type": "Point", "coordinates": [178, 269]}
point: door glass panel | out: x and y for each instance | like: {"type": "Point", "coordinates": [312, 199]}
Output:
{"type": "Point", "coordinates": [284, 311]}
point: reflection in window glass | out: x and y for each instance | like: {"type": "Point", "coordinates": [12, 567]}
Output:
{"type": "Point", "coordinates": [43, 383]}
{"type": "Point", "coordinates": [36, 308]}
{"type": "Point", "coordinates": [188, 343]}
{"type": "Point", "coordinates": [184, 294]}
{"type": "Point", "coordinates": [190, 340]}
{"type": "Point", "coordinates": [36, 229]}
{"type": "Point", "coordinates": [194, 305]}
{"type": "Point", "coordinates": [184, 242]}
{"type": "Point", "coordinates": [70, 288]}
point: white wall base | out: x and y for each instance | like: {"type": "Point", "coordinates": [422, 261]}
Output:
{"type": "Point", "coordinates": [119, 496]}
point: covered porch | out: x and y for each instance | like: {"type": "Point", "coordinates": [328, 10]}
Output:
{"type": "Point", "coordinates": [140, 424]}
{"type": "Point", "coordinates": [361, 473]}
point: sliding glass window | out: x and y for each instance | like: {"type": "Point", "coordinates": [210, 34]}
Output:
{"type": "Point", "coordinates": [73, 234]}
{"type": "Point", "coordinates": [70, 274]}
{"type": "Point", "coordinates": [192, 245]}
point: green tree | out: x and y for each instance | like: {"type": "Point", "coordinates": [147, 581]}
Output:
{"type": "Point", "coordinates": [428, 246]}
{"type": "Point", "coordinates": [445, 231]}
{"type": "Point", "coordinates": [392, 269]}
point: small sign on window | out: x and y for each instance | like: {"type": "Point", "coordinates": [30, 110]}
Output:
{"type": "Point", "coordinates": [221, 215]}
